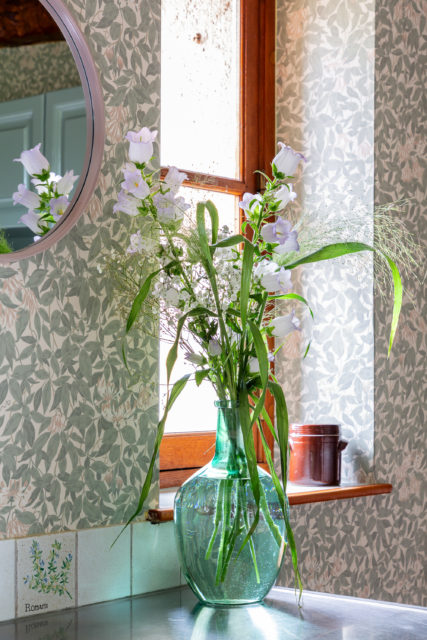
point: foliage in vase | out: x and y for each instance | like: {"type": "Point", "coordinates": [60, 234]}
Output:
{"type": "Point", "coordinates": [215, 292]}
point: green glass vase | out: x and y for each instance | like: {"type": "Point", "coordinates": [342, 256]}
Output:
{"type": "Point", "coordinates": [213, 512]}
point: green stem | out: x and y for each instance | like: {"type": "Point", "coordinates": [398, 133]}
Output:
{"type": "Point", "coordinates": [226, 507]}
{"type": "Point", "coordinates": [217, 519]}
{"type": "Point", "coordinates": [269, 520]}
{"type": "Point", "coordinates": [250, 542]}
{"type": "Point", "coordinates": [236, 530]}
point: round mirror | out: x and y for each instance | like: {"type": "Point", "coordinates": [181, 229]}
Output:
{"type": "Point", "coordinates": [51, 125]}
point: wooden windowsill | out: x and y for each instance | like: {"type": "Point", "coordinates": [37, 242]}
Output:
{"type": "Point", "coordinates": [301, 495]}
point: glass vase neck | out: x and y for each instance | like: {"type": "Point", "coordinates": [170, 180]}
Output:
{"type": "Point", "coordinates": [229, 448]}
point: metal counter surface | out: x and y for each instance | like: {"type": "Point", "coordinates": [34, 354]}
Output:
{"type": "Point", "coordinates": [176, 614]}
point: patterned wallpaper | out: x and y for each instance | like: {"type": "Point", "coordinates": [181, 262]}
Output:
{"type": "Point", "coordinates": [400, 390]}
{"type": "Point", "coordinates": [325, 108]}
{"type": "Point", "coordinates": [68, 429]}
{"type": "Point", "coordinates": [35, 69]}
{"type": "Point", "coordinates": [374, 547]}
{"type": "Point", "coordinates": [74, 439]}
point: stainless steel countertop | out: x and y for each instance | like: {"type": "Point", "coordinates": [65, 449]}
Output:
{"type": "Point", "coordinates": [176, 614]}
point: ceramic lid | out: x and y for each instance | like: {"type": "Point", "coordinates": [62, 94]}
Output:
{"type": "Point", "coordinates": [314, 430]}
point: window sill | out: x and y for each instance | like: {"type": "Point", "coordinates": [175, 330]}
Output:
{"type": "Point", "coordinates": [297, 494]}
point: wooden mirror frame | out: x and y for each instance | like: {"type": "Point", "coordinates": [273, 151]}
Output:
{"type": "Point", "coordinates": [94, 132]}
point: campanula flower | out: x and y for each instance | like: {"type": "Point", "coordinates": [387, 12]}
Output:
{"type": "Point", "coordinates": [33, 160]}
{"type": "Point", "coordinates": [284, 195]}
{"type": "Point", "coordinates": [169, 207]}
{"type": "Point", "coordinates": [284, 325]}
{"type": "Point", "coordinates": [31, 220]}
{"type": "Point", "coordinates": [287, 160]}
{"type": "Point", "coordinates": [250, 202]}
{"type": "Point", "coordinates": [134, 183]}
{"type": "Point", "coordinates": [281, 232]}
{"type": "Point", "coordinates": [58, 206]}
{"type": "Point", "coordinates": [126, 203]}
{"type": "Point", "coordinates": [66, 183]}
{"type": "Point", "coordinates": [174, 179]}
{"type": "Point", "coordinates": [272, 277]}
{"type": "Point", "coordinates": [141, 144]}
{"type": "Point", "coordinates": [26, 197]}
{"type": "Point", "coordinates": [214, 347]}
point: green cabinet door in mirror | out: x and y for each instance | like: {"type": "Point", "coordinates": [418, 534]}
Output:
{"type": "Point", "coordinates": [65, 137]}
{"type": "Point", "coordinates": [21, 127]}
{"type": "Point", "coordinates": [63, 142]}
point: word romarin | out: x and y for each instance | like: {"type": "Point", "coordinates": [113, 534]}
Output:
{"type": "Point", "coordinates": [35, 607]}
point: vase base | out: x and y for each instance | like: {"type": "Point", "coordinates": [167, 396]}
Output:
{"type": "Point", "coordinates": [223, 601]}
{"type": "Point", "coordinates": [234, 603]}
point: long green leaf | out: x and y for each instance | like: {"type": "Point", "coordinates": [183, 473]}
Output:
{"type": "Point", "coordinates": [282, 426]}
{"type": "Point", "coordinates": [247, 264]}
{"type": "Point", "coordinates": [398, 294]}
{"type": "Point", "coordinates": [279, 489]}
{"type": "Point", "coordinates": [207, 254]}
{"type": "Point", "coordinates": [281, 492]}
{"type": "Point", "coordinates": [175, 392]}
{"type": "Point", "coordinates": [231, 242]}
{"type": "Point", "coordinates": [343, 248]}
{"type": "Point", "coordinates": [139, 299]}
{"type": "Point", "coordinates": [211, 273]}
{"type": "Point", "coordinates": [245, 422]}
{"type": "Point", "coordinates": [201, 375]}
{"type": "Point", "coordinates": [201, 230]}
{"type": "Point", "coordinates": [292, 296]}
{"type": "Point", "coordinates": [213, 212]}
{"type": "Point", "coordinates": [261, 352]}
{"type": "Point", "coordinates": [266, 418]}
{"type": "Point", "coordinates": [327, 253]}
{"type": "Point", "coordinates": [173, 352]}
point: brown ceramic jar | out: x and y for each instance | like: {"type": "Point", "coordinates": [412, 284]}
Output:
{"type": "Point", "coordinates": [315, 454]}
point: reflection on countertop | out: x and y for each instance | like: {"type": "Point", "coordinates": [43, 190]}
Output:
{"type": "Point", "coordinates": [176, 614]}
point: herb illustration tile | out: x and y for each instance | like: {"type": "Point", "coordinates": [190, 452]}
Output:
{"type": "Point", "coordinates": [46, 575]}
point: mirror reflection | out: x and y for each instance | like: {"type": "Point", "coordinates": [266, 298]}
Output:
{"type": "Point", "coordinates": [42, 124]}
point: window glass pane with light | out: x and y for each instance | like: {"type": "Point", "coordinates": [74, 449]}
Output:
{"type": "Point", "coordinates": [200, 86]}
{"type": "Point", "coordinates": [194, 409]}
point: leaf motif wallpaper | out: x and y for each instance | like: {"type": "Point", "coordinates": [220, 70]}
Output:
{"type": "Point", "coordinates": [325, 109]}
{"type": "Point", "coordinates": [74, 438]}
{"type": "Point", "coordinates": [372, 547]}
{"type": "Point", "coordinates": [34, 69]}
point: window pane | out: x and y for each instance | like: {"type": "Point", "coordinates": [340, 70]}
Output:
{"type": "Point", "coordinates": [227, 205]}
{"type": "Point", "coordinates": [194, 410]}
{"type": "Point", "coordinates": [200, 86]}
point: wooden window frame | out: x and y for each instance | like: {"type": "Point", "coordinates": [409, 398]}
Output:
{"type": "Point", "coordinates": [181, 454]}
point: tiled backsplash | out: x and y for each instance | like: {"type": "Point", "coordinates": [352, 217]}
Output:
{"type": "Point", "coordinates": [59, 571]}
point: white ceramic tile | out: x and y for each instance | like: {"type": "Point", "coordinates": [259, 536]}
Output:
{"type": "Point", "coordinates": [107, 621]}
{"type": "Point", "coordinates": [154, 557]}
{"type": "Point", "coordinates": [103, 571]}
{"type": "Point", "coordinates": [7, 579]}
{"type": "Point", "coordinates": [46, 573]}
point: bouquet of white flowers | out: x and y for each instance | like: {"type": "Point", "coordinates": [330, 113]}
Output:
{"type": "Point", "coordinates": [216, 292]}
